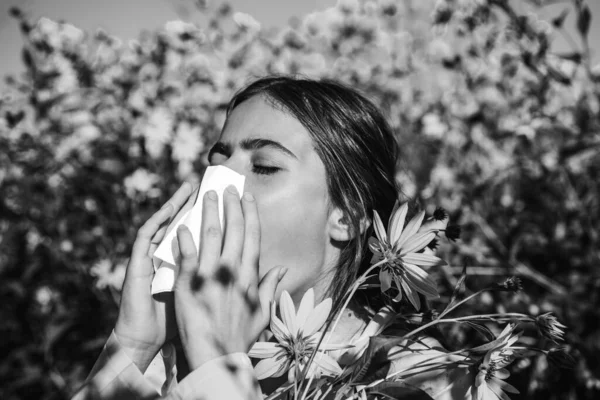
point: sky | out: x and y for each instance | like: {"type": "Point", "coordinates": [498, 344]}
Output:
{"type": "Point", "coordinates": [126, 18]}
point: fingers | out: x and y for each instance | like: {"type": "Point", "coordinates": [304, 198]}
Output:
{"type": "Point", "coordinates": [210, 234]}
{"type": "Point", "coordinates": [141, 246]}
{"type": "Point", "coordinates": [233, 232]}
{"type": "Point", "coordinates": [267, 289]}
{"type": "Point", "coordinates": [188, 259]}
{"type": "Point", "coordinates": [248, 273]}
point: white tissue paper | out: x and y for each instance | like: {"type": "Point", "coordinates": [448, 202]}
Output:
{"type": "Point", "coordinates": [215, 178]}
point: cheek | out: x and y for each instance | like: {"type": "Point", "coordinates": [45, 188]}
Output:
{"type": "Point", "coordinates": [293, 221]}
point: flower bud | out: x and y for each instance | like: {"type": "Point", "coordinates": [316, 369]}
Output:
{"type": "Point", "coordinates": [560, 358]}
{"type": "Point", "coordinates": [549, 327]}
{"type": "Point", "coordinates": [511, 284]}
{"type": "Point", "coordinates": [453, 232]}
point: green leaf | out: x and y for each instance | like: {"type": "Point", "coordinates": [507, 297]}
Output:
{"type": "Point", "coordinates": [399, 390]}
{"type": "Point", "coordinates": [484, 330]}
{"type": "Point", "coordinates": [375, 363]}
{"type": "Point", "coordinates": [584, 19]}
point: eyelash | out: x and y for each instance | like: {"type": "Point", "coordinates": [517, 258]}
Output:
{"type": "Point", "coordinates": [263, 170]}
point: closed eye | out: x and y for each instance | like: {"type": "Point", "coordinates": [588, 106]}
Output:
{"type": "Point", "coordinates": [264, 170]}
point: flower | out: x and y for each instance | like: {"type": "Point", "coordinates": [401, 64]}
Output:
{"type": "Point", "coordinates": [560, 358]}
{"type": "Point", "coordinates": [297, 335]}
{"type": "Point", "coordinates": [246, 21]}
{"type": "Point", "coordinates": [141, 181]}
{"type": "Point", "coordinates": [489, 384]}
{"type": "Point", "coordinates": [511, 284]}
{"type": "Point", "coordinates": [108, 274]}
{"type": "Point", "coordinates": [453, 232]}
{"type": "Point", "coordinates": [188, 142]}
{"type": "Point", "coordinates": [398, 250]}
{"type": "Point", "coordinates": [549, 327]}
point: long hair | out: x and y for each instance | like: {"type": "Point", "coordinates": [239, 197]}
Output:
{"type": "Point", "coordinates": [356, 145]}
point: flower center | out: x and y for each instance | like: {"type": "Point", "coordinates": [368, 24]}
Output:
{"type": "Point", "coordinates": [394, 264]}
{"type": "Point", "coordinates": [298, 348]}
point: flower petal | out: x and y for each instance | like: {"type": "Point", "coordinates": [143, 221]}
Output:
{"type": "Point", "coordinates": [425, 260]}
{"type": "Point", "coordinates": [379, 229]}
{"type": "Point", "coordinates": [327, 364]}
{"type": "Point", "coordinates": [385, 278]}
{"type": "Point", "coordinates": [507, 387]}
{"type": "Point", "coordinates": [307, 304]}
{"type": "Point", "coordinates": [278, 328]}
{"type": "Point", "coordinates": [397, 223]}
{"type": "Point", "coordinates": [421, 281]}
{"type": "Point", "coordinates": [433, 224]}
{"type": "Point", "coordinates": [417, 242]}
{"type": "Point", "coordinates": [496, 389]}
{"type": "Point", "coordinates": [375, 246]}
{"type": "Point", "coordinates": [411, 228]}
{"type": "Point", "coordinates": [412, 295]}
{"type": "Point", "coordinates": [288, 312]}
{"type": "Point", "coordinates": [317, 317]}
{"type": "Point", "coordinates": [398, 297]}
{"type": "Point", "coordinates": [270, 367]}
{"type": "Point", "coordinates": [501, 373]}
{"type": "Point", "coordinates": [264, 349]}
{"type": "Point", "coordinates": [480, 379]}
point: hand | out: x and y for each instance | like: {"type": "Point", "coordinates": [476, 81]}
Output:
{"type": "Point", "coordinates": [219, 305]}
{"type": "Point", "coordinates": [146, 322]}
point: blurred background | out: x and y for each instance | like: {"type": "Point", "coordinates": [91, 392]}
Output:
{"type": "Point", "coordinates": [106, 107]}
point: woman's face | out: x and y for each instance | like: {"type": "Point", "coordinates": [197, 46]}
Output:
{"type": "Point", "coordinates": [286, 176]}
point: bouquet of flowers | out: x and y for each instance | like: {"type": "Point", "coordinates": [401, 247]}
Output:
{"type": "Point", "coordinates": [377, 365]}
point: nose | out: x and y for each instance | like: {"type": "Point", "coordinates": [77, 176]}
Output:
{"type": "Point", "coordinates": [234, 164]}
{"type": "Point", "coordinates": [239, 164]}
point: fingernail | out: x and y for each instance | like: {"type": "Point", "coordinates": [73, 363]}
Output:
{"type": "Point", "coordinates": [232, 189]}
{"type": "Point", "coordinates": [211, 194]}
{"type": "Point", "coordinates": [282, 273]}
{"type": "Point", "coordinates": [248, 196]}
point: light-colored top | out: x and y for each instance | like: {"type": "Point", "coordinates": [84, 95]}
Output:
{"type": "Point", "coordinates": [116, 377]}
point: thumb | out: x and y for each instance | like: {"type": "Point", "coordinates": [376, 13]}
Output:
{"type": "Point", "coordinates": [267, 289]}
{"type": "Point", "coordinates": [188, 258]}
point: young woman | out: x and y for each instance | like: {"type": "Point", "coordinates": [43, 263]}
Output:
{"type": "Point", "coordinates": [318, 158]}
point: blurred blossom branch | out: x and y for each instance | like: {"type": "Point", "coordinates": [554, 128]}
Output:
{"type": "Point", "coordinates": [494, 126]}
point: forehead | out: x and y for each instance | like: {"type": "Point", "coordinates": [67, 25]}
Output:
{"type": "Point", "coordinates": [257, 117]}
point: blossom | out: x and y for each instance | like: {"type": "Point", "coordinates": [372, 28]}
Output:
{"type": "Point", "coordinates": [489, 383]}
{"type": "Point", "coordinates": [297, 335]}
{"type": "Point", "coordinates": [246, 21]}
{"type": "Point", "coordinates": [141, 181]}
{"type": "Point", "coordinates": [188, 142]}
{"type": "Point", "coordinates": [511, 284]}
{"type": "Point", "coordinates": [549, 327]}
{"type": "Point", "coordinates": [560, 358]}
{"type": "Point", "coordinates": [398, 252]}
{"type": "Point", "coordinates": [158, 130]}
{"type": "Point", "coordinates": [108, 275]}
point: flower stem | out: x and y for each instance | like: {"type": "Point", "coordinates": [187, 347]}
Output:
{"type": "Point", "coordinates": [468, 318]}
{"type": "Point", "coordinates": [446, 311]}
{"type": "Point", "coordinates": [338, 317]}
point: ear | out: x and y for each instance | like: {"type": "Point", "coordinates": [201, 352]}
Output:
{"type": "Point", "coordinates": [340, 227]}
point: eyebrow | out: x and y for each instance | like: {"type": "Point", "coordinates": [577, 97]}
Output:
{"type": "Point", "coordinates": [249, 144]}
